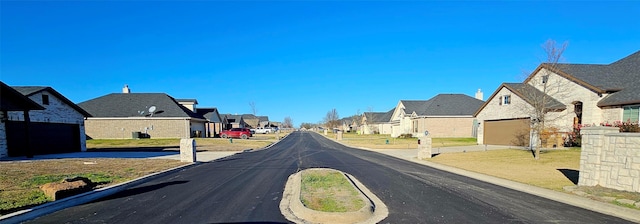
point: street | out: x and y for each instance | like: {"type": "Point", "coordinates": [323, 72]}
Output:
{"type": "Point", "coordinates": [247, 188]}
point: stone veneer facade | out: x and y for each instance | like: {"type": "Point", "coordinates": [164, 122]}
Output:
{"type": "Point", "coordinates": [610, 159]}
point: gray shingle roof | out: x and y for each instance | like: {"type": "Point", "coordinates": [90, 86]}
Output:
{"type": "Point", "coordinates": [136, 105]}
{"type": "Point", "coordinates": [620, 78]}
{"type": "Point", "coordinates": [211, 114]}
{"type": "Point", "coordinates": [379, 117]}
{"type": "Point", "coordinates": [30, 90]}
{"type": "Point", "coordinates": [444, 105]}
{"type": "Point", "coordinates": [532, 95]}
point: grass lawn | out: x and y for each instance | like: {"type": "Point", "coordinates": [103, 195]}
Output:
{"type": "Point", "coordinates": [379, 141]}
{"type": "Point", "coordinates": [329, 191]}
{"type": "Point", "coordinates": [206, 144]}
{"type": "Point", "coordinates": [519, 165]}
{"type": "Point", "coordinates": [20, 181]}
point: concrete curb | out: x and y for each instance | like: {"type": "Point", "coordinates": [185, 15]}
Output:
{"type": "Point", "coordinates": [574, 200]}
{"type": "Point", "coordinates": [293, 210]}
{"type": "Point", "coordinates": [51, 207]}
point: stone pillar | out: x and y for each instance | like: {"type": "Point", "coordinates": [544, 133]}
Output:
{"type": "Point", "coordinates": [339, 136]}
{"type": "Point", "coordinates": [188, 150]}
{"type": "Point", "coordinates": [277, 135]}
{"type": "Point", "coordinates": [593, 141]}
{"type": "Point", "coordinates": [325, 131]}
{"type": "Point", "coordinates": [424, 148]}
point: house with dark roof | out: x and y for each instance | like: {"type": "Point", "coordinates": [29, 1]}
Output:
{"type": "Point", "coordinates": [376, 122]}
{"type": "Point", "coordinates": [230, 121]}
{"type": "Point", "coordinates": [263, 121]}
{"type": "Point", "coordinates": [133, 115]}
{"type": "Point", "coordinates": [251, 121]}
{"type": "Point", "coordinates": [572, 95]}
{"type": "Point", "coordinates": [39, 120]}
{"type": "Point", "coordinates": [214, 121]}
{"type": "Point", "coordinates": [444, 115]}
{"type": "Point", "coordinates": [349, 124]}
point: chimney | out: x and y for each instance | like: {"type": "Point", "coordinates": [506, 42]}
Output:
{"type": "Point", "coordinates": [479, 95]}
{"type": "Point", "coordinates": [126, 89]}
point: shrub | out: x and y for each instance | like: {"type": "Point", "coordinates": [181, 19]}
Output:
{"type": "Point", "coordinates": [626, 126]}
{"type": "Point", "coordinates": [406, 136]}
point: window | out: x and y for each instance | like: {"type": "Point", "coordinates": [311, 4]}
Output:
{"type": "Point", "coordinates": [507, 99]}
{"type": "Point", "coordinates": [545, 78]}
{"type": "Point", "coordinates": [631, 113]}
{"type": "Point", "coordinates": [45, 99]}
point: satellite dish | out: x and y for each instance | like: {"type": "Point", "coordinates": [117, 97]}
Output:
{"type": "Point", "coordinates": [152, 109]}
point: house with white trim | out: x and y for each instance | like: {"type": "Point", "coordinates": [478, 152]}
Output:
{"type": "Point", "coordinates": [444, 115]}
{"type": "Point", "coordinates": [575, 95]}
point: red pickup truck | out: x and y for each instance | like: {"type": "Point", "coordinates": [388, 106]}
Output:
{"type": "Point", "coordinates": [242, 133]}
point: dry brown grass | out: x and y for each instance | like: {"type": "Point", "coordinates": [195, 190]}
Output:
{"type": "Point", "coordinates": [379, 141]}
{"type": "Point", "coordinates": [20, 180]}
{"type": "Point", "coordinates": [204, 144]}
{"type": "Point", "coordinates": [518, 165]}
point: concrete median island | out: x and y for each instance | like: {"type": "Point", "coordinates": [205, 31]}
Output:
{"type": "Point", "coordinates": [370, 210]}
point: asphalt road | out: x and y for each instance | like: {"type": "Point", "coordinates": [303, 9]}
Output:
{"type": "Point", "coordinates": [247, 188]}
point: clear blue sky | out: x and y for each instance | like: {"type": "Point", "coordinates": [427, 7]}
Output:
{"type": "Point", "coordinates": [300, 59]}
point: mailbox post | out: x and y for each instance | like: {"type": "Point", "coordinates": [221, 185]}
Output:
{"type": "Point", "coordinates": [424, 146]}
{"type": "Point", "coordinates": [188, 150]}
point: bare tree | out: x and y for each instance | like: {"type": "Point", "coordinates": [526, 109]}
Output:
{"type": "Point", "coordinates": [287, 123]}
{"type": "Point", "coordinates": [331, 119]}
{"type": "Point", "coordinates": [306, 125]}
{"type": "Point", "coordinates": [541, 92]}
{"type": "Point", "coordinates": [252, 104]}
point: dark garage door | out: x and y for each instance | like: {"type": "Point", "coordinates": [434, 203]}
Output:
{"type": "Point", "coordinates": [45, 138]}
{"type": "Point", "coordinates": [513, 132]}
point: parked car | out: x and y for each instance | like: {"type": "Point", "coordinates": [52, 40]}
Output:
{"type": "Point", "coordinates": [262, 130]}
{"type": "Point", "coordinates": [242, 133]}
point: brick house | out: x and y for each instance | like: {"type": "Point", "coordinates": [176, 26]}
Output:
{"type": "Point", "coordinates": [53, 124]}
{"type": "Point", "coordinates": [445, 115]}
{"type": "Point", "coordinates": [578, 94]}
{"type": "Point", "coordinates": [131, 115]}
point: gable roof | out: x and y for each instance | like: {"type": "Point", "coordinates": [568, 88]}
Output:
{"type": "Point", "coordinates": [378, 117]}
{"type": "Point", "coordinates": [443, 105]}
{"type": "Point", "coordinates": [620, 78]}
{"type": "Point", "coordinates": [526, 92]}
{"type": "Point", "coordinates": [263, 118]}
{"type": "Point", "coordinates": [31, 90]}
{"type": "Point", "coordinates": [136, 105]}
{"type": "Point", "coordinates": [531, 94]}
{"type": "Point", "coordinates": [12, 100]}
{"type": "Point", "coordinates": [211, 114]}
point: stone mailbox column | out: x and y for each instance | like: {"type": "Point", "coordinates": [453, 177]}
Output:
{"type": "Point", "coordinates": [325, 131]}
{"type": "Point", "coordinates": [424, 147]}
{"type": "Point", "coordinates": [188, 150]}
{"type": "Point", "coordinates": [339, 136]}
{"type": "Point", "coordinates": [593, 141]}
{"type": "Point", "coordinates": [277, 135]}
